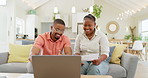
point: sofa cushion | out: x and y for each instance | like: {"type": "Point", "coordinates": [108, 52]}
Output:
{"type": "Point", "coordinates": [116, 71]}
{"type": "Point", "coordinates": [13, 68]}
{"type": "Point", "coordinates": [19, 53]}
{"type": "Point", "coordinates": [110, 53]}
{"type": "Point", "coordinates": [27, 42]}
{"type": "Point", "coordinates": [117, 53]}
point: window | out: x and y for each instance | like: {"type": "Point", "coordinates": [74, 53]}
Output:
{"type": "Point", "coordinates": [19, 26]}
{"type": "Point", "coordinates": [2, 2]}
{"type": "Point", "coordinates": [144, 30]}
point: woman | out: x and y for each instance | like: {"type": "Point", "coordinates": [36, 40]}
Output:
{"type": "Point", "coordinates": [92, 42]}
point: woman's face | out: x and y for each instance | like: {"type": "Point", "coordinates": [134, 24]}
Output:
{"type": "Point", "coordinates": [88, 26]}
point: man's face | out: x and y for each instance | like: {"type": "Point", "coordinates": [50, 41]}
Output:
{"type": "Point", "coordinates": [57, 30]}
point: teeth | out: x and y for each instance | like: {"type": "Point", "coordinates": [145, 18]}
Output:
{"type": "Point", "coordinates": [87, 30]}
{"type": "Point", "coordinates": [57, 35]}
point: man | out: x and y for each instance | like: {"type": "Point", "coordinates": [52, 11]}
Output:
{"type": "Point", "coordinates": [51, 43]}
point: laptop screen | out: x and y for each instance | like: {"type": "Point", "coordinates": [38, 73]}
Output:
{"type": "Point", "coordinates": [53, 66]}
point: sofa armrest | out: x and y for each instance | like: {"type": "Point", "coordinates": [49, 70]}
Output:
{"type": "Point", "coordinates": [3, 57]}
{"type": "Point", "coordinates": [129, 62]}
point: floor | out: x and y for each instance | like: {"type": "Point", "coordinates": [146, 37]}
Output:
{"type": "Point", "coordinates": [142, 70]}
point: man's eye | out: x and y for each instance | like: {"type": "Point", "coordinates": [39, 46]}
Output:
{"type": "Point", "coordinates": [57, 29]}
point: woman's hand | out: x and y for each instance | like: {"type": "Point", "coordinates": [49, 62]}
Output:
{"type": "Point", "coordinates": [100, 59]}
{"type": "Point", "coordinates": [97, 61]}
{"type": "Point", "coordinates": [82, 64]}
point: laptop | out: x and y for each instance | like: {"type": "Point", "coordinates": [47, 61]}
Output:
{"type": "Point", "coordinates": [53, 66]}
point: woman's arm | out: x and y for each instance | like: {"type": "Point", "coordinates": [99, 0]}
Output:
{"type": "Point", "coordinates": [104, 48]}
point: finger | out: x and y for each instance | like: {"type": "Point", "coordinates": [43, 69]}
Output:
{"type": "Point", "coordinates": [82, 64]}
{"type": "Point", "coordinates": [94, 62]}
{"type": "Point", "coordinates": [59, 53]}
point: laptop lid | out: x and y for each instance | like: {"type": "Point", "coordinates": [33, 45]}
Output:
{"type": "Point", "coordinates": [52, 66]}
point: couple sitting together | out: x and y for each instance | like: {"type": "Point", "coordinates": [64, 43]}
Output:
{"type": "Point", "coordinates": [89, 42]}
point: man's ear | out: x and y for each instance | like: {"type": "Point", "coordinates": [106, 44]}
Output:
{"type": "Point", "coordinates": [51, 27]}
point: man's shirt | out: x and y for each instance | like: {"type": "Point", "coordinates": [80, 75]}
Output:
{"type": "Point", "coordinates": [48, 46]}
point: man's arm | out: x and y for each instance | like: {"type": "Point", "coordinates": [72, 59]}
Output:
{"type": "Point", "coordinates": [34, 51]}
{"type": "Point", "coordinates": [67, 51]}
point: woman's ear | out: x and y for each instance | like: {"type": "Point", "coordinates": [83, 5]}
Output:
{"type": "Point", "coordinates": [95, 24]}
{"type": "Point", "coordinates": [97, 27]}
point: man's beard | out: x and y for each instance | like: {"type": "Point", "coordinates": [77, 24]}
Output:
{"type": "Point", "coordinates": [56, 38]}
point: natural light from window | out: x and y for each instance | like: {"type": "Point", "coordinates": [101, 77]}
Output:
{"type": "Point", "coordinates": [144, 30]}
{"type": "Point", "coordinates": [2, 2]}
{"type": "Point", "coordinates": [19, 26]}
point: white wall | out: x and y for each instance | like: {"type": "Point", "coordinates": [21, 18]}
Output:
{"type": "Point", "coordinates": [110, 13]}
{"type": "Point", "coordinates": [7, 23]}
{"type": "Point", "coordinates": [45, 12]}
{"type": "Point", "coordinates": [3, 29]}
{"type": "Point", "coordinates": [137, 19]}
{"type": "Point", "coordinates": [21, 13]}
{"type": "Point", "coordinates": [3, 23]}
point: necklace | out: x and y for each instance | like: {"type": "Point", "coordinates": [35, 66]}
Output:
{"type": "Point", "coordinates": [90, 37]}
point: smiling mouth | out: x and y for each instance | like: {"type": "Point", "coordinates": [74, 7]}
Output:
{"type": "Point", "coordinates": [87, 30]}
{"type": "Point", "coordinates": [57, 36]}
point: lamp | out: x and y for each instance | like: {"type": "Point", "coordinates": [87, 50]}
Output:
{"type": "Point", "coordinates": [73, 10]}
{"type": "Point", "coordinates": [55, 10]}
{"type": "Point", "coordinates": [91, 9]}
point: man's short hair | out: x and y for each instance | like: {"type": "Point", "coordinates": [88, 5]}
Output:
{"type": "Point", "coordinates": [59, 21]}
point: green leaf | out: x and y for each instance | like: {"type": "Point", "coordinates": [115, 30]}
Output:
{"type": "Point", "coordinates": [97, 11]}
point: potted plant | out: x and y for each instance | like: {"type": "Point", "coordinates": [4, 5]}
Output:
{"type": "Point", "coordinates": [137, 38]}
{"type": "Point", "coordinates": [97, 10]}
{"type": "Point", "coordinates": [127, 37]}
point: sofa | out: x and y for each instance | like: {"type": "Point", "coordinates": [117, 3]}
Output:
{"type": "Point", "coordinates": [126, 69]}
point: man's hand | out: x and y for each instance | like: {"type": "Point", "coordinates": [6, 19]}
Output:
{"type": "Point", "coordinates": [34, 51]}
{"type": "Point", "coordinates": [67, 51]}
{"type": "Point", "coordinates": [59, 53]}
{"type": "Point", "coordinates": [77, 54]}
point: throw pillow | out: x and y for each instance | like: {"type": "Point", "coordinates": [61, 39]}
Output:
{"type": "Point", "coordinates": [110, 52]}
{"type": "Point", "coordinates": [19, 53]}
{"type": "Point", "coordinates": [117, 53]}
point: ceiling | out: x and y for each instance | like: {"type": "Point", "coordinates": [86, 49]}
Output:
{"type": "Point", "coordinates": [35, 3]}
{"type": "Point", "coordinates": [126, 6]}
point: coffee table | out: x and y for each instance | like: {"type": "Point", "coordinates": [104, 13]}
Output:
{"type": "Point", "coordinates": [15, 75]}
